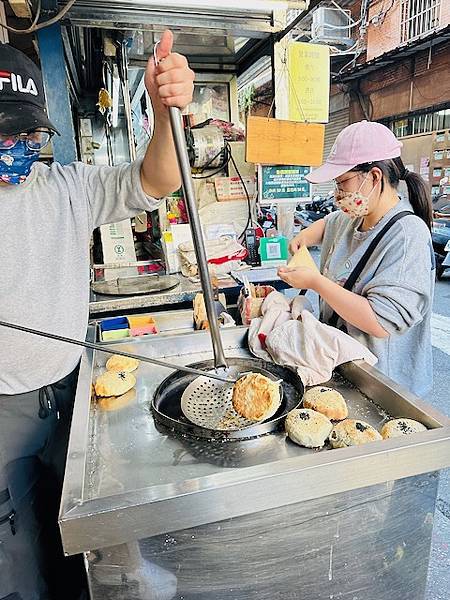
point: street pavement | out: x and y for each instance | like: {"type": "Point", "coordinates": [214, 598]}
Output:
{"type": "Point", "coordinates": [438, 587]}
{"type": "Point", "coordinates": [439, 571]}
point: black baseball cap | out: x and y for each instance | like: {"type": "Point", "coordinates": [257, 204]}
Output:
{"type": "Point", "coordinates": [22, 100]}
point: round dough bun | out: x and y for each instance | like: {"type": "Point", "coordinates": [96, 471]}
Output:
{"type": "Point", "coordinates": [353, 432]}
{"type": "Point", "coordinates": [256, 397]}
{"type": "Point", "coordinates": [399, 427]}
{"type": "Point", "coordinates": [307, 427]}
{"type": "Point", "coordinates": [114, 383]}
{"type": "Point", "coordinates": [113, 403]}
{"type": "Point", "coordinates": [122, 363]}
{"type": "Point", "coordinates": [327, 401]}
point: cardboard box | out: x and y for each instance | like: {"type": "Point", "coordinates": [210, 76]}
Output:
{"type": "Point", "coordinates": [231, 188]}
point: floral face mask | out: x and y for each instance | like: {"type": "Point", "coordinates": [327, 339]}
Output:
{"type": "Point", "coordinates": [353, 204]}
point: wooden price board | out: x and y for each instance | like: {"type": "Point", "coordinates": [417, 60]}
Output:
{"type": "Point", "coordinates": [278, 142]}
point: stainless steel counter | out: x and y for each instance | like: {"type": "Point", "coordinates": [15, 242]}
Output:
{"type": "Point", "coordinates": [125, 480]}
{"type": "Point", "coordinates": [184, 292]}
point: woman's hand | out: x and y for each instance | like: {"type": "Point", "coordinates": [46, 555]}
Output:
{"type": "Point", "coordinates": [301, 278]}
{"type": "Point", "coordinates": [171, 82]}
{"type": "Point", "coordinates": [299, 241]}
{"type": "Point", "coordinates": [311, 236]}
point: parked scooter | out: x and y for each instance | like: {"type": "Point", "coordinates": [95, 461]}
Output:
{"type": "Point", "coordinates": [313, 211]}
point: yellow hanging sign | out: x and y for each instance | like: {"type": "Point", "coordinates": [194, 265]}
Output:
{"type": "Point", "coordinates": [309, 82]}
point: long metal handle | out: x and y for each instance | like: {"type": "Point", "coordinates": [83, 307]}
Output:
{"type": "Point", "coordinates": [197, 237]}
{"type": "Point", "coordinates": [100, 348]}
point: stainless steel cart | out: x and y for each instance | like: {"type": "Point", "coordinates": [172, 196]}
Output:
{"type": "Point", "coordinates": [163, 516]}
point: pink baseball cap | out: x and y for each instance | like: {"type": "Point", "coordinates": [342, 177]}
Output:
{"type": "Point", "coordinates": [359, 143]}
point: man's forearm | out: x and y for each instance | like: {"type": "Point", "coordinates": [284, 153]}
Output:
{"type": "Point", "coordinates": [351, 307]}
{"type": "Point", "coordinates": [160, 174]}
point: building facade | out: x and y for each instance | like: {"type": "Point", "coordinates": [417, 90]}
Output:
{"type": "Point", "coordinates": [402, 79]}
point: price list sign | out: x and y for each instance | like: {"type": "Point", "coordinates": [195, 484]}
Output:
{"type": "Point", "coordinates": [283, 183]}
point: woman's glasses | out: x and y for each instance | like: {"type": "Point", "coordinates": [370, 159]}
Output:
{"type": "Point", "coordinates": [338, 184]}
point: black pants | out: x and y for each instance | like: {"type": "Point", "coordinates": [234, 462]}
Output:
{"type": "Point", "coordinates": [34, 434]}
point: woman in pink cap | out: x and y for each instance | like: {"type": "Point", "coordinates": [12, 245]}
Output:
{"type": "Point", "coordinates": [377, 260]}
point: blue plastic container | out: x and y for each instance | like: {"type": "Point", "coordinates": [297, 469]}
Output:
{"type": "Point", "coordinates": [114, 323]}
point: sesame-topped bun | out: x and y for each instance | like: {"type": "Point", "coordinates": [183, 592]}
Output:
{"type": "Point", "coordinates": [327, 401]}
{"type": "Point", "coordinates": [399, 427]}
{"type": "Point", "coordinates": [112, 403]}
{"type": "Point", "coordinates": [307, 427]}
{"type": "Point", "coordinates": [122, 363]}
{"type": "Point", "coordinates": [353, 432]}
{"type": "Point", "coordinates": [256, 397]}
{"type": "Point", "coordinates": [114, 383]}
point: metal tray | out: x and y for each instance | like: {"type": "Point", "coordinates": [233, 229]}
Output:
{"type": "Point", "coordinates": [128, 479]}
{"type": "Point", "coordinates": [131, 286]}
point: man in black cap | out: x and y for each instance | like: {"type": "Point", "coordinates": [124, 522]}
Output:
{"type": "Point", "coordinates": [47, 216]}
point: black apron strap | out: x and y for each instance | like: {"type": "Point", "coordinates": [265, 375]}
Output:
{"type": "Point", "coordinates": [4, 496]}
{"type": "Point", "coordinates": [353, 277]}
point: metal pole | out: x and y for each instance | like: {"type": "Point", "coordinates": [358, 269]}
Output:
{"type": "Point", "coordinates": [197, 237]}
{"type": "Point", "coordinates": [123, 58]}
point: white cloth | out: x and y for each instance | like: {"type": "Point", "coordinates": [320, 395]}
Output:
{"type": "Point", "coordinates": [276, 310]}
{"type": "Point", "coordinates": [289, 335]}
{"type": "Point", "coordinates": [224, 255]}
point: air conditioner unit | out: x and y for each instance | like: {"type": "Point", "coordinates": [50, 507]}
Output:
{"type": "Point", "coordinates": [331, 26]}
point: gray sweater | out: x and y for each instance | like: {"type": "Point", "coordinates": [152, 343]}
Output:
{"type": "Point", "coordinates": [46, 224]}
{"type": "Point", "coordinates": [398, 281]}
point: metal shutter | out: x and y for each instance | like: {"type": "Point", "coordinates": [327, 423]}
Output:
{"type": "Point", "coordinates": [338, 120]}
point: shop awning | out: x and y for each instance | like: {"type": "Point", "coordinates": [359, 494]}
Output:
{"type": "Point", "coordinates": [252, 18]}
{"type": "Point", "coordinates": [214, 36]}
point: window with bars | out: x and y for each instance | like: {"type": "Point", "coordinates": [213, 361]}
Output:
{"type": "Point", "coordinates": [418, 17]}
{"type": "Point", "coordinates": [425, 122]}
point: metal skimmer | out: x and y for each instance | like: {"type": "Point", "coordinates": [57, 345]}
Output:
{"type": "Point", "coordinates": [208, 402]}
{"type": "Point", "coordinates": [183, 407]}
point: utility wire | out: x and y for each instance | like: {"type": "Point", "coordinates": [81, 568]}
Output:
{"type": "Point", "coordinates": [35, 26]}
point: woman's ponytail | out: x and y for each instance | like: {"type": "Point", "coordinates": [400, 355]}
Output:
{"type": "Point", "coordinates": [419, 196]}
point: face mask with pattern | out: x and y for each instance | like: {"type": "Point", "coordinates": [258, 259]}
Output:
{"type": "Point", "coordinates": [16, 163]}
{"type": "Point", "coordinates": [353, 204]}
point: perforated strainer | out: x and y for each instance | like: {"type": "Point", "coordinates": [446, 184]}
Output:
{"type": "Point", "coordinates": [203, 402]}
{"type": "Point", "coordinates": [208, 402]}
{"type": "Point", "coordinates": [167, 400]}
